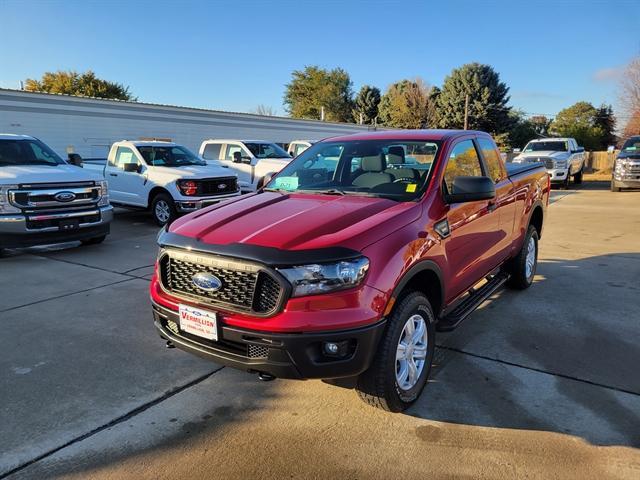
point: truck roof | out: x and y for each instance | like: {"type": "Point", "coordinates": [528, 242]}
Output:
{"type": "Point", "coordinates": [147, 143]}
{"type": "Point", "coordinates": [551, 139]}
{"type": "Point", "coordinates": [236, 140]}
{"type": "Point", "coordinates": [14, 136]}
{"type": "Point", "coordinates": [418, 135]}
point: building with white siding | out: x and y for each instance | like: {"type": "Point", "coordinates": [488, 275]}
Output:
{"type": "Point", "coordinates": [89, 126]}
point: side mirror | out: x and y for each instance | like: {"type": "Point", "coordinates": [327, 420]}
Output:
{"type": "Point", "coordinates": [579, 150]}
{"type": "Point", "coordinates": [471, 189]}
{"type": "Point", "coordinates": [75, 159]}
{"type": "Point", "coordinates": [239, 158]}
{"type": "Point", "coordinates": [264, 180]}
{"type": "Point", "coordinates": [131, 167]}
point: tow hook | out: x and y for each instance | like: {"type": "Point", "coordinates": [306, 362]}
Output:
{"type": "Point", "coordinates": [170, 344]}
{"type": "Point", "coordinates": [265, 377]}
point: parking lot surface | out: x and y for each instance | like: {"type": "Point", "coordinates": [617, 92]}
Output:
{"type": "Point", "coordinates": [536, 384]}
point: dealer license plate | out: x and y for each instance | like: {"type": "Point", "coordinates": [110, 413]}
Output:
{"type": "Point", "coordinates": [202, 323]}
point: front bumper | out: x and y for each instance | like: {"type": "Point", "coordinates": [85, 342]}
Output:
{"type": "Point", "coordinates": [186, 204]}
{"type": "Point", "coordinates": [557, 174]}
{"type": "Point", "coordinates": [15, 231]}
{"type": "Point", "coordinates": [284, 355]}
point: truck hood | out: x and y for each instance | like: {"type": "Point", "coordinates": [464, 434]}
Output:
{"type": "Point", "coordinates": [193, 171]}
{"type": "Point", "coordinates": [544, 153]}
{"type": "Point", "coordinates": [298, 221]}
{"type": "Point", "coordinates": [27, 174]}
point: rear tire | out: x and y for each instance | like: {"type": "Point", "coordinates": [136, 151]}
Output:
{"type": "Point", "coordinates": [523, 266]}
{"type": "Point", "coordinates": [94, 240]}
{"type": "Point", "coordinates": [401, 367]}
{"type": "Point", "coordinates": [163, 209]}
{"type": "Point", "coordinates": [577, 178]}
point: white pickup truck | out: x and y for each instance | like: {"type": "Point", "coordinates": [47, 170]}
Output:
{"type": "Point", "coordinates": [44, 200]}
{"type": "Point", "coordinates": [164, 177]}
{"type": "Point", "coordinates": [249, 159]}
{"type": "Point", "coordinates": [562, 157]}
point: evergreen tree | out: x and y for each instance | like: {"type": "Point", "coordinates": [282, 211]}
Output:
{"type": "Point", "coordinates": [366, 105]}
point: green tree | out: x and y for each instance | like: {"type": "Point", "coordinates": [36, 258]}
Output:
{"type": "Point", "coordinates": [313, 89]}
{"type": "Point", "coordinates": [366, 105]}
{"type": "Point", "coordinates": [407, 104]}
{"type": "Point", "coordinates": [488, 98]}
{"type": "Point", "coordinates": [606, 121]}
{"type": "Point", "coordinates": [579, 121]}
{"type": "Point", "coordinates": [74, 83]}
{"type": "Point", "coordinates": [522, 131]}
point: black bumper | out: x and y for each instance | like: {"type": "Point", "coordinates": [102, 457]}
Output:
{"type": "Point", "coordinates": [283, 355]}
{"type": "Point", "coordinates": [32, 238]}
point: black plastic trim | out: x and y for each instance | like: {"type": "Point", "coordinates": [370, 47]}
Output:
{"type": "Point", "coordinates": [413, 271]}
{"type": "Point", "coordinates": [31, 239]}
{"type": "Point", "coordinates": [270, 256]}
{"type": "Point", "coordinates": [291, 355]}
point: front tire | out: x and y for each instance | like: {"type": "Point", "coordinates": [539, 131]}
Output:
{"type": "Point", "coordinates": [614, 188]}
{"type": "Point", "coordinates": [565, 182]}
{"type": "Point", "coordinates": [524, 265]}
{"type": "Point", "coordinates": [401, 367]}
{"type": "Point", "coordinates": [577, 178]}
{"type": "Point", "coordinates": [94, 240]}
{"type": "Point", "coordinates": [163, 209]}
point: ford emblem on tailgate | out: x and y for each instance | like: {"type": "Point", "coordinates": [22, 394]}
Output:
{"type": "Point", "coordinates": [207, 282]}
{"type": "Point", "coordinates": [65, 196]}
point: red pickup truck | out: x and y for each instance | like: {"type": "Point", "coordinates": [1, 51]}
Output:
{"type": "Point", "coordinates": [346, 263]}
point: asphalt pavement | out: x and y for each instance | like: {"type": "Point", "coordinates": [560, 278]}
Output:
{"type": "Point", "coordinates": [536, 384]}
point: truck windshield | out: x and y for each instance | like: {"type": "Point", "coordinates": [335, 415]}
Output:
{"type": "Point", "coordinates": [266, 150]}
{"type": "Point", "coordinates": [27, 152]}
{"type": "Point", "coordinates": [395, 169]}
{"type": "Point", "coordinates": [554, 146]}
{"type": "Point", "coordinates": [632, 145]}
{"type": "Point", "coordinates": [169, 156]}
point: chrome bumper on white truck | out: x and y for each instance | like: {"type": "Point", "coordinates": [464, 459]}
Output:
{"type": "Point", "coordinates": [186, 205]}
{"type": "Point", "coordinates": [557, 174]}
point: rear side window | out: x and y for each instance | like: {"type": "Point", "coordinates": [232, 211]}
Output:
{"type": "Point", "coordinates": [463, 162]}
{"type": "Point", "coordinates": [491, 158]}
{"type": "Point", "coordinates": [211, 151]}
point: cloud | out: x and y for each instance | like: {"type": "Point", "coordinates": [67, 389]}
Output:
{"type": "Point", "coordinates": [608, 74]}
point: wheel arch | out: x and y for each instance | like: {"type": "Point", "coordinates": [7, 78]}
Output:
{"type": "Point", "coordinates": [536, 218]}
{"type": "Point", "coordinates": [426, 277]}
{"type": "Point", "coordinates": [154, 192]}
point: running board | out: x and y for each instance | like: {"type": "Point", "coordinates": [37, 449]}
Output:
{"type": "Point", "coordinates": [469, 304]}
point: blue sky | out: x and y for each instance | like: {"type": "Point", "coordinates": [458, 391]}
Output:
{"type": "Point", "coordinates": [235, 55]}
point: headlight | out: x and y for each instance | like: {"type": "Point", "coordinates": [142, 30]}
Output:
{"type": "Point", "coordinates": [561, 164]}
{"type": "Point", "coordinates": [323, 278]}
{"type": "Point", "coordinates": [5, 206]}
{"type": "Point", "coordinates": [104, 193]}
{"type": "Point", "coordinates": [188, 188]}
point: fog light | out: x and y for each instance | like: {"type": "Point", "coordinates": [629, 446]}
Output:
{"type": "Point", "coordinates": [331, 348]}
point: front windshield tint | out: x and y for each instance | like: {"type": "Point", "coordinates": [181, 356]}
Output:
{"type": "Point", "coordinates": [385, 168]}
{"type": "Point", "coordinates": [170, 156]}
{"type": "Point", "coordinates": [27, 152]}
{"type": "Point", "coordinates": [632, 145]}
{"type": "Point", "coordinates": [554, 146]}
{"type": "Point", "coordinates": [266, 150]}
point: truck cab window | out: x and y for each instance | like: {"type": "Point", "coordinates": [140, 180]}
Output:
{"type": "Point", "coordinates": [124, 155]}
{"type": "Point", "coordinates": [491, 157]}
{"type": "Point", "coordinates": [463, 161]}
{"type": "Point", "coordinates": [211, 151]}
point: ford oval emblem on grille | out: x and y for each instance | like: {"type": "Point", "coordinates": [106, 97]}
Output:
{"type": "Point", "coordinates": [207, 282]}
{"type": "Point", "coordinates": [65, 196]}
{"type": "Point", "coordinates": [222, 186]}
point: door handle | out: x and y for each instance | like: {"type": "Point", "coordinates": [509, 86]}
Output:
{"type": "Point", "coordinates": [113, 174]}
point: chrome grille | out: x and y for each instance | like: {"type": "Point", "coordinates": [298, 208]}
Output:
{"type": "Point", "coordinates": [48, 196]}
{"type": "Point", "coordinates": [246, 287]}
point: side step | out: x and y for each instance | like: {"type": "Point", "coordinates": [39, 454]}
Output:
{"type": "Point", "coordinates": [469, 304]}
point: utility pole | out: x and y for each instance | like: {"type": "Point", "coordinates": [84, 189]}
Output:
{"type": "Point", "coordinates": [466, 111]}
{"type": "Point", "coordinates": [322, 114]}
{"type": "Point", "coordinates": [361, 119]}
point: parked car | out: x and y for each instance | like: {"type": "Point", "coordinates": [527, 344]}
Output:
{"type": "Point", "coordinates": [626, 171]}
{"type": "Point", "coordinates": [164, 177]}
{"type": "Point", "coordinates": [296, 147]}
{"type": "Point", "coordinates": [249, 159]}
{"type": "Point", "coordinates": [347, 270]}
{"type": "Point", "coordinates": [562, 157]}
{"type": "Point", "coordinates": [44, 200]}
